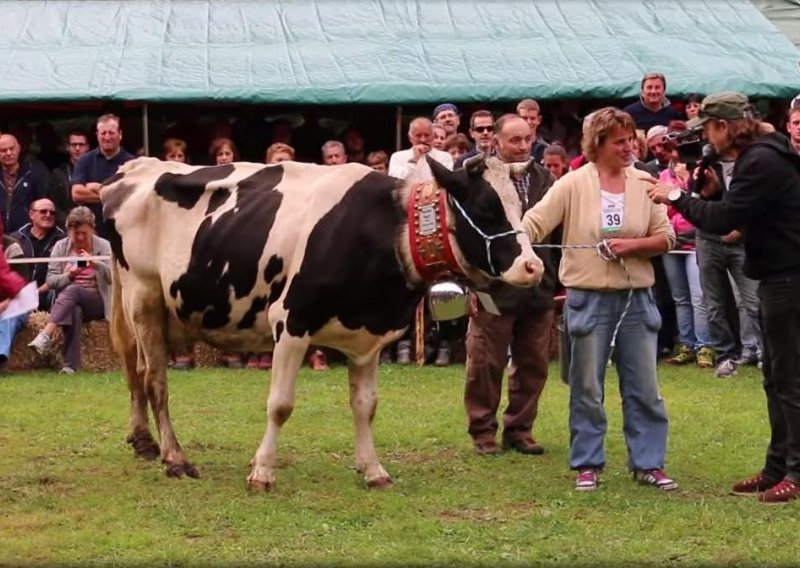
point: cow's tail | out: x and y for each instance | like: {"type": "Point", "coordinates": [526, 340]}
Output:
{"type": "Point", "coordinates": [118, 326]}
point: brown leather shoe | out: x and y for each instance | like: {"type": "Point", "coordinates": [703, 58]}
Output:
{"type": "Point", "coordinates": [526, 445]}
{"type": "Point", "coordinates": [486, 448]}
{"type": "Point", "coordinates": [750, 487]}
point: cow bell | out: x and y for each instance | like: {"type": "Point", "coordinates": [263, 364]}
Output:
{"type": "Point", "coordinates": [448, 301]}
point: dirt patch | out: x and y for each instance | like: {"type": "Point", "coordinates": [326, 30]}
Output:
{"type": "Point", "coordinates": [419, 457]}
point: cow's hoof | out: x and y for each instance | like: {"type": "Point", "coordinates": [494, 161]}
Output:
{"type": "Point", "coordinates": [182, 469]}
{"type": "Point", "coordinates": [260, 486]}
{"type": "Point", "coordinates": [380, 483]}
{"type": "Point", "coordinates": [144, 447]}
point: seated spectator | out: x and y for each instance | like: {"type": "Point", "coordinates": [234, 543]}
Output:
{"type": "Point", "coordinates": [37, 240]}
{"type": "Point", "coordinates": [9, 327]}
{"type": "Point", "coordinates": [378, 161]}
{"type": "Point", "coordinates": [83, 288]}
{"type": "Point", "coordinates": [457, 145]}
{"type": "Point", "coordinates": [279, 152]}
{"type": "Point", "coordinates": [555, 160]}
{"type": "Point", "coordinates": [223, 151]}
{"type": "Point", "coordinates": [176, 150]}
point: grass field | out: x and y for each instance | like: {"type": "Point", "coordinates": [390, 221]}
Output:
{"type": "Point", "coordinates": [71, 492]}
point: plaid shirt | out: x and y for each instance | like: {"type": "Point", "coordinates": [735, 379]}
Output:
{"type": "Point", "coordinates": [522, 185]}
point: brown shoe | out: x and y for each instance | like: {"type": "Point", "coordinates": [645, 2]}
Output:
{"type": "Point", "coordinates": [486, 448]}
{"type": "Point", "coordinates": [526, 445]}
{"type": "Point", "coordinates": [750, 487]}
{"type": "Point", "coordinates": [785, 491]}
{"type": "Point", "coordinates": [318, 361]}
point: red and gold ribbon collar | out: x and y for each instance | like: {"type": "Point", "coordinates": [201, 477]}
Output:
{"type": "Point", "coordinates": [431, 250]}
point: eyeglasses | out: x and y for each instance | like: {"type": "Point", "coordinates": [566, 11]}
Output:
{"type": "Point", "coordinates": [45, 211]}
{"type": "Point", "coordinates": [483, 128]}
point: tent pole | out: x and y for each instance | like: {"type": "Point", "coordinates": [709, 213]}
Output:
{"type": "Point", "coordinates": [398, 129]}
{"type": "Point", "coordinates": [145, 131]}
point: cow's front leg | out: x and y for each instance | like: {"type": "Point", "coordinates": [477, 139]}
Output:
{"type": "Point", "coordinates": [286, 361]}
{"type": "Point", "coordinates": [364, 401]}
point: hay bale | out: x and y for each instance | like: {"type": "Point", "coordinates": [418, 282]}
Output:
{"type": "Point", "coordinates": [206, 356]}
{"type": "Point", "coordinates": [96, 351]}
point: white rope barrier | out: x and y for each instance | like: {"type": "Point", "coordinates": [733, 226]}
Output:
{"type": "Point", "coordinates": [45, 260]}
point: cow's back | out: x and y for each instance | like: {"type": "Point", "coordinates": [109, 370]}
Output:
{"type": "Point", "coordinates": [224, 242]}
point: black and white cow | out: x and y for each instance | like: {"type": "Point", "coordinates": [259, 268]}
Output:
{"type": "Point", "coordinates": [248, 257]}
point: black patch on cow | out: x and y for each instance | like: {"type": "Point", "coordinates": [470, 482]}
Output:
{"type": "Point", "coordinates": [278, 331]}
{"type": "Point", "coordinates": [226, 252]}
{"type": "Point", "coordinates": [186, 189]}
{"type": "Point", "coordinates": [115, 239]}
{"type": "Point", "coordinates": [276, 289]}
{"type": "Point", "coordinates": [114, 197]}
{"type": "Point", "coordinates": [259, 304]}
{"type": "Point", "coordinates": [173, 289]}
{"type": "Point", "coordinates": [273, 268]}
{"type": "Point", "coordinates": [350, 269]}
{"type": "Point", "coordinates": [217, 199]}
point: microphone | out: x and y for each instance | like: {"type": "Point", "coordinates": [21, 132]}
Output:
{"type": "Point", "coordinates": [709, 157]}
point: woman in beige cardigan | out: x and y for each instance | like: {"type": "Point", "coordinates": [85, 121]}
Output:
{"type": "Point", "coordinates": [606, 200]}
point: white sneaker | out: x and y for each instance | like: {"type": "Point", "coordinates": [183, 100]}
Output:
{"type": "Point", "coordinates": [66, 371]}
{"type": "Point", "coordinates": [726, 369]}
{"type": "Point", "coordinates": [41, 343]}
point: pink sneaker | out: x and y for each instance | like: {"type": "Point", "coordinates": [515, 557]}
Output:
{"type": "Point", "coordinates": [655, 477]}
{"type": "Point", "coordinates": [587, 480]}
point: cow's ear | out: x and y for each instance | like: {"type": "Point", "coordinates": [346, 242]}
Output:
{"type": "Point", "coordinates": [453, 183]}
{"type": "Point", "coordinates": [475, 165]}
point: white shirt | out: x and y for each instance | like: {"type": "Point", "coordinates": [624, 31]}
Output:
{"type": "Point", "coordinates": [400, 167]}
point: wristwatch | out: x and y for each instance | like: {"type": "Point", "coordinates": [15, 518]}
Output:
{"type": "Point", "coordinates": [674, 195]}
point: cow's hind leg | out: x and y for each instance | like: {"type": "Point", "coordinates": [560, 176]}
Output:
{"type": "Point", "coordinates": [286, 361]}
{"type": "Point", "coordinates": [124, 343]}
{"type": "Point", "coordinates": [364, 402]}
{"type": "Point", "coordinates": [147, 314]}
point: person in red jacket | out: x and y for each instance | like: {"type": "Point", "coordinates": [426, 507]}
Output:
{"type": "Point", "coordinates": [10, 282]}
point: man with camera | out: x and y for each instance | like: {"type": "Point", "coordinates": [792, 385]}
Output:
{"type": "Point", "coordinates": [763, 198]}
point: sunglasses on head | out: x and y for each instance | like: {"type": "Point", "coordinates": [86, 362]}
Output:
{"type": "Point", "coordinates": [483, 128]}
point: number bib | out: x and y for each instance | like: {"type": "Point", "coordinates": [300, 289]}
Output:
{"type": "Point", "coordinates": [612, 212]}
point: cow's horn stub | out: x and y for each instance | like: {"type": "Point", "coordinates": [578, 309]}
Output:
{"type": "Point", "coordinates": [475, 165]}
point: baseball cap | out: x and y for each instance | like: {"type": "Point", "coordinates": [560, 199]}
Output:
{"type": "Point", "coordinates": [656, 132]}
{"type": "Point", "coordinates": [443, 107]}
{"type": "Point", "coordinates": [725, 105]}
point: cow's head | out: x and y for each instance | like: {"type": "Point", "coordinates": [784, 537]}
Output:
{"type": "Point", "coordinates": [487, 216]}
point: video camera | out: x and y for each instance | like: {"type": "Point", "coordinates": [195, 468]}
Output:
{"type": "Point", "coordinates": [689, 144]}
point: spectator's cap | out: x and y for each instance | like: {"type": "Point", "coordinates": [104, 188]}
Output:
{"type": "Point", "coordinates": [725, 105]}
{"type": "Point", "coordinates": [443, 107]}
{"type": "Point", "coordinates": [656, 132]}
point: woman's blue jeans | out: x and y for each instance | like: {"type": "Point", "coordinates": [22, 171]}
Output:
{"type": "Point", "coordinates": [683, 275]}
{"type": "Point", "coordinates": [591, 317]}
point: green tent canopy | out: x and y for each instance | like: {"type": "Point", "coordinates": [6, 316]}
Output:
{"type": "Point", "coordinates": [383, 51]}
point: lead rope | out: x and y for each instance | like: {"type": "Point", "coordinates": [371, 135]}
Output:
{"type": "Point", "coordinates": [604, 252]}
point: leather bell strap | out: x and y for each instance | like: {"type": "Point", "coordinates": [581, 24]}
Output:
{"type": "Point", "coordinates": [431, 250]}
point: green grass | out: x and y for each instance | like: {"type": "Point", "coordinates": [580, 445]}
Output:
{"type": "Point", "coordinates": [71, 492]}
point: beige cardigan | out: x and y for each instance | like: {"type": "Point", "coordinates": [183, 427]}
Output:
{"type": "Point", "coordinates": [575, 201]}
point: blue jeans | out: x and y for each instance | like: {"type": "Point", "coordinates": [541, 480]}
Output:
{"type": "Point", "coordinates": [590, 318]}
{"type": "Point", "coordinates": [8, 331]}
{"type": "Point", "coordinates": [716, 260]}
{"type": "Point", "coordinates": [683, 275]}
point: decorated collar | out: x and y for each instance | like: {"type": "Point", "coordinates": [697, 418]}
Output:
{"type": "Point", "coordinates": [431, 249]}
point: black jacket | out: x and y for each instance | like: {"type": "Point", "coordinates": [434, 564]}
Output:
{"type": "Point", "coordinates": [764, 200]}
{"type": "Point", "coordinates": [514, 300]}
